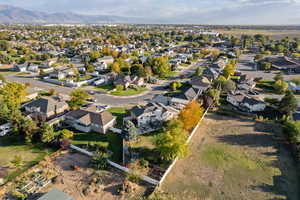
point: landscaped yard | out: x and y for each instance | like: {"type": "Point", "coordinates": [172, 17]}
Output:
{"type": "Point", "coordinates": [11, 146]}
{"type": "Point", "coordinates": [105, 88]}
{"type": "Point", "coordinates": [233, 158]}
{"type": "Point", "coordinates": [110, 141]}
{"type": "Point", "coordinates": [120, 113]}
{"type": "Point", "coordinates": [129, 92]}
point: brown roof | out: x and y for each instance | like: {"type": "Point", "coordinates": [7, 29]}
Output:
{"type": "Point", "coordinates": [88, 116]}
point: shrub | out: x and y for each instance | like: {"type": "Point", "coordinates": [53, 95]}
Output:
{"type": "Point", "coordinates": [119, 87]}
{"type": "Point", "coordinates": [99, 160]}
{"type": "Point", "coordinates": [281, 86]}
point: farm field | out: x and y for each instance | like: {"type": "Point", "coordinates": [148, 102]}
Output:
{"type": "Point", "coordinates": [274, 34]}
{"type": "Point", "coordinates": [232, 158]}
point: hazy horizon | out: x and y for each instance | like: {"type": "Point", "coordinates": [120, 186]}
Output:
{"type": "Point", "coordinates": [231, 12]}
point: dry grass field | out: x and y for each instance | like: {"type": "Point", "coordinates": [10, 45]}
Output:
{"type": "Point", "coordinates": [235, 159]}
{"type": "Point", "coordinates": [274, 34]}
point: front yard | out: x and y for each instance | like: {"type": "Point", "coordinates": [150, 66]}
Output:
{"type": "Point", "coordinates": [11, 146]}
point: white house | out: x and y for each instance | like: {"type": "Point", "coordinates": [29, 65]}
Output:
{"type": "Point", "coordinates": [90, 120]}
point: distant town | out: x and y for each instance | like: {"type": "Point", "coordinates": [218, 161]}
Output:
{"type": "Point", "coordinates": [152, 112]}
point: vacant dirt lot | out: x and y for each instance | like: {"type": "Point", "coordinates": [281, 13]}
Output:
{"type": "Point", "coordinates": [86, 183]}
{"type": "Point", "coordinates": [274, 34]}
{"type": "Point", "coordinates": [232, 159]}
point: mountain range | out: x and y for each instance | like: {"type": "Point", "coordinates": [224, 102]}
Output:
{"type": "Point", "coordinates": [16, 15]}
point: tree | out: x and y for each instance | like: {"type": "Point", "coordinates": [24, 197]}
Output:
{"type": "Point", "coordinates": [229, 86]}
{"type": "Point", "coordinates": [131, 130]}
{"type": "Point", "coordinates": [288, 104]}
{"type": "Point", "coordinates": [78, 98]}
{"type": "Point", "coordinates": [228, 71]}
{"type": "Point", "coordinates": [198, 72]}
{"type": "Point", "coordinates": [116, 67]}
{"type": "Point", "coordinates": [47, 133]}
{"type": "Point", "coordinates": [94, 55]}
{"type": "Point", "coordinates": [65, 134]}
{"type": "Point", "coordinates": [90, 68]}
{"type": "Point", "coordinates": [28, 127]}
{"type": "Point", "coordinates": [161, 66]}
{"type": "Point", "coordinates": [191, 115]}
{"type": "Point", "coordinates": [266, 66]}
{"type": "Point", "coordinates": [4, 45]}
{"type": "Point", "coordinates": [175, 85]}
{"type": "Point", "coordinates": [172, 142]}
{"type": "Point", "coordinates": [281, 86]}
{"type": "Point", "coordinates": [11, 96]}
{"type": "Point", "coordinates": [17, 161]}
{"type": "Point", "coordinates": [99, 160]}
{"type": "Point", "coordinates": [214, 94]}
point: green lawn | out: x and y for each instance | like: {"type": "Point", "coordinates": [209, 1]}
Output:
{"type": "Point", "coordinates": [110, 141]}
{"type": "Point", "coordinates": [129, 92]}
{"type": "Point", "coordinates": [11, 146]}
{"type": "Point", "coordinates": [105, 88]}
{"type": "Point", "coordinates": [120, 113]}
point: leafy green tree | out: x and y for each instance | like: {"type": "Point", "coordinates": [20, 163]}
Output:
{"type": "Point", "coordinates": [131, 130]}
{"type": "Point", "coordinates": [171, 143]}
{"type": "Point", "coordinates": [116, 67]}
{"type": "Point", "coordinates": [4, 45]}
{"type": "Point", "coordinates": [281, 86]}
{"type": "Point", "coordinates": [65, 134]}
{"type": "Point", "coordinates": [99, 160]}
{"type": "Point", "coordinates": [47, 133]}
{"type": "Point", "coordinates": [11, 96]}
{"type": "Point", "coordinates": [288, 104]}
{"type": "Point", "coordinates": [228, 71]}
{"type": "Point", "coordinates": [161, 66]}
{"type": "Point", "coordinates": [17, 161]}
{"type": "Point", "coordinates": [266, 66]}
{"type": "Point", "coordinates": [78, 98]}
{"type": "Point", "coordinates": [198, 72]}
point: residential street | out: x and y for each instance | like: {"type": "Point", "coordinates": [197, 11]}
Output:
{"type": "Point", "coordinates": [106, 99]}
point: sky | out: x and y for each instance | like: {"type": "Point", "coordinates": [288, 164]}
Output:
{"type": "Point", "coordinates": [178, 11]}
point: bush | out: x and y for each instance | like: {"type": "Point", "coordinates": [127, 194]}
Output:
{"type": "Point", "coordinates": [281, 86]}
{"type": "Point", "coordinates": [119, 87]}
{"type": "Point", "coordinates": [99, 160]}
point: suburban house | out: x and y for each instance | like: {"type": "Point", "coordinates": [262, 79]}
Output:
{"type": "Point", "coordinates": [283, 63]}
{"type": "Point", "coordinates": [246, 103]}
{"type": "Point", "coordinates": [100, 66]}
{"type": "Point", "coordinates": [211, 73]}
{"type": "Point", "coordinates": [106, 59]}
{"type": "Point", "coordinates": [151, 115]}
{"type": "Point", "coordinates": [21, 67]}
{"type": "Point", "coordinates": [90, 119]}
{"type": "Point", "coordinates": [200, 83]}
{"type": "Point", "coordinates": [293, 87]}
{"type": "Point", "coordinates": [127, 80]}
{"type": "Point", "coordinates": [180, 100]}
{"type": "Point", "coordinates": [245, 83]}
{"type": "Point", "coordinates": [62, 73]}
{"type": "Point", "coordinates": [46, 108]}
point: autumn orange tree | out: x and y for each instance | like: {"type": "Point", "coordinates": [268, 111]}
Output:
{"type": "Point", "coordinates": [190, 115]}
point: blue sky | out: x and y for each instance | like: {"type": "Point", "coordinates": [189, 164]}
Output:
{"type": "Point", "coordinates": [178, 11]}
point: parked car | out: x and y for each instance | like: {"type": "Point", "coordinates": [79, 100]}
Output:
{"type": "Point", "coordinates": [252, 92]}
{"type": "Point", "coordinates": [92, 100]}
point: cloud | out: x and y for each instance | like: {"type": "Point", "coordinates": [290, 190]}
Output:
{"type": "Point", "coordinates": [177, 11]}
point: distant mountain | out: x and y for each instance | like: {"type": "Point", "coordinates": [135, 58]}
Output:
{"type": "Point", "coordinates": [16, 15]}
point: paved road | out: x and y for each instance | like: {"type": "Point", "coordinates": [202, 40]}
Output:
{"type": "Point", "coordinates": [106, 99]}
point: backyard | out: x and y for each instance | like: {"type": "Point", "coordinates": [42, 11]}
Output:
{"type": "Point", "coordinates": [233, 158]}
{"type": "Point", "coordinates": [11, 146]}
{"type": "Point", "coordinates": [110, 141]}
